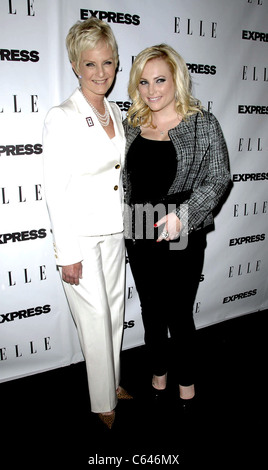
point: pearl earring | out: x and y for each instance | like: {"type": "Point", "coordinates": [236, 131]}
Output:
{"type": "Point", "coordinates": [79, 76]}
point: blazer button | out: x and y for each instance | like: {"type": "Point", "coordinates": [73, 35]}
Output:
{"type": "Point", "coordinates": [116, 187]}
{"type": "Point", "coordinates": [117, 166]}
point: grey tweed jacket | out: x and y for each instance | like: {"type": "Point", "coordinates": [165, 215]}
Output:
{"type": "Point", "coordinates": [202, 165]}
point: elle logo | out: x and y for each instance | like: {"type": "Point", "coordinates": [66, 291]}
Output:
{"type": "Point", "coordinates": [202, 30]}
{"type": "Point", "coordinates": [16, 107]}
{"type": "Point", "coordinates": [12, 4]}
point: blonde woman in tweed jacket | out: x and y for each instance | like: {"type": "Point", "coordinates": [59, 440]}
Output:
{"type": "Point", "coordinates": [176, 172]}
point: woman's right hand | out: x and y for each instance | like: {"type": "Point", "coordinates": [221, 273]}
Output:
{"type": "Point", "coordinates": [72, 273]}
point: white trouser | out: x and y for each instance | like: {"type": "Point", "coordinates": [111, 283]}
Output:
{"type": "Point", "coordinates": [97, 305]}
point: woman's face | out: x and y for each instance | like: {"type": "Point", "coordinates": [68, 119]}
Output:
{"type": "Point", "coordinates": [97, 69]}
{"type": "Point", "coordinates": [156, 86]}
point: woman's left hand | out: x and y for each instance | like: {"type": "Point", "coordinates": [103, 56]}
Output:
{"type": "Point", "coordinates": [171, 229]}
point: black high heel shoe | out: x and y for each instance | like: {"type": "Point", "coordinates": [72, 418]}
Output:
{"type": "Point", "coordinates": [158, 395]}
{"type": "Point", "coordinates": [187, 406]}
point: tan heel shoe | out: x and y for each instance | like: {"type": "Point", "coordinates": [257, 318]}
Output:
{"type": "Point", "coordinates": [122, 394]}
{"type": "Point", "coordinates": [108, 420]}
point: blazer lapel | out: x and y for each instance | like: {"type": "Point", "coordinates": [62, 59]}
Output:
{"type": "Point", "coordinates": [85, 109]}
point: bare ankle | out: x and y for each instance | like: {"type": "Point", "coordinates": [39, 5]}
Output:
{"type": "Point", "coordinates": [108, 413]}
{"type": "Point", "coordinates": [159, 381]}
{"type": "Point", "coordinates": [186, 393]}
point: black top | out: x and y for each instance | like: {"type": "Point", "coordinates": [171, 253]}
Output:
{"type": "Point", "coordinates": [151, 167]}
{"type": "Point", "coordinates": [203, 167]}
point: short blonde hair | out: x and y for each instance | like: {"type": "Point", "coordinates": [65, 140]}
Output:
{"type": "Point", "coordinates": [86, 35]}
{"type": "Point", "coordinates": [139, 113]}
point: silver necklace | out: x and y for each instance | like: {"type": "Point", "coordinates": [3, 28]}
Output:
{"type": "Point", "coordinates": [164, 131]}
{"type": "Point", "coordinates": [104, 119]}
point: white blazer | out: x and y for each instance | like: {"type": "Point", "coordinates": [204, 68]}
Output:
{"type": "Point", "coordinates": [82, 175]}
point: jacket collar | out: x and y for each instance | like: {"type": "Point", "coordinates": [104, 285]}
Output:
{"type": "Point", "coordinates": [80, 102]}
{"type": "Point", "coordinates": [84, 108]}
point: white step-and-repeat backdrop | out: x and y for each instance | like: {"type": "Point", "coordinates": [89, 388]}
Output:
{"type": "Point", "coordinates": [225, 44]}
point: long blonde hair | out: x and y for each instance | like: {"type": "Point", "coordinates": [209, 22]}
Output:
{"type": "Point", "coordinates": [139, 113]}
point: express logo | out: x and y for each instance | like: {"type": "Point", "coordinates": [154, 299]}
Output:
{"type": "Point", "coordinates": [202, 69]}
{"type": "Point", "coordinates": [252, 109]}
{"type": "Point", "coordinates": [123, 105]}
{"type": "Point", "coordinates": [21, 149]}
{"type": "Point", "coordinates": [111, 16]}
{"type": "Point", "coordinates": [255, 36]}
{"type": "Point", "coordinates": [25, 313]}
{"type": "Point", "coordinates": [16, 55]}
{"type": "Point", "coordinates": [242, 295]}
{"type": "Point", "coordinates": [247, 239]}
{"type": "Point", "coordinates": [129, 324]}
{"type": "Point", "coordinates": [250, 177]}
{"type": "Point", "coordinates": [22, 236]}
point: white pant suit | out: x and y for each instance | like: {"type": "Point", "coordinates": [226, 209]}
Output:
{"type": "Point", "coordinates": [83, 188]}
{"type": "Point", "coordinates": [97, 305]}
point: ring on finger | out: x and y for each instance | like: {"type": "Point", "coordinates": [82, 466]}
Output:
{"type": "Point", "coordinates": [165, 234]}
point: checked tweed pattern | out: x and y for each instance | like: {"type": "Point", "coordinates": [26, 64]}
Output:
{"type": "Point", "coordinates": [207, 174]}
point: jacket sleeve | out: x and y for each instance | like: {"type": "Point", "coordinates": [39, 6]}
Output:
{"type": "Point", "coordinates": [209, 190]}
{"type": "Point", "coordinates": [58, 156]}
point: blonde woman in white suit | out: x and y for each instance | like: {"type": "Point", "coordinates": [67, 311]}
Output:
{"type": "Point", "coordinates": [83, 157]}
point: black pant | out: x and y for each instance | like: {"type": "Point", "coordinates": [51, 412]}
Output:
{"type": "Point", "coordinates": [167, 282]}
